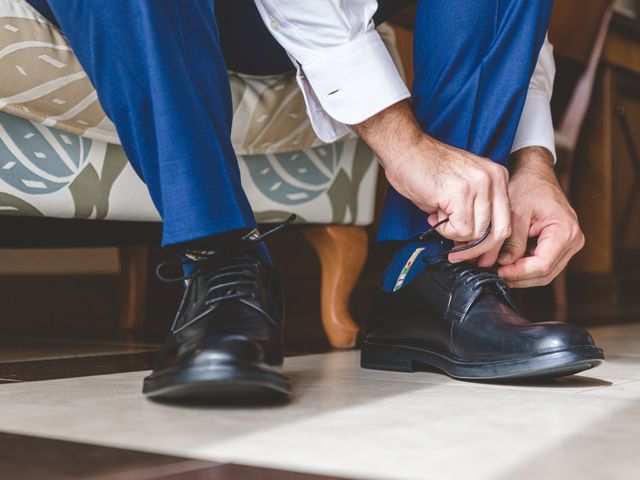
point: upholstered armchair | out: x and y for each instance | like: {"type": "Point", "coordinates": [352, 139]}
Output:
{"type": "Point", "coordinates": [60, 157]}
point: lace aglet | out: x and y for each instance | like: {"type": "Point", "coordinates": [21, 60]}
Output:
{"type": "Point", "coordinates": [432, 228]}
{"type": "Point", "coordinates": [292, 218]}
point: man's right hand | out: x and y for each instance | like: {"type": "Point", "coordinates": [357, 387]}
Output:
{"type": "Point", "coordinates": [443, 181]}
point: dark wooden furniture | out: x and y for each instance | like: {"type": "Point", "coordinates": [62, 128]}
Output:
{"type": "Point", "coordinates": [607, 176]}
{"type": "Point", "coordinates": [342, 250]}
{"type": "Point", "coordinates": [590, 43]}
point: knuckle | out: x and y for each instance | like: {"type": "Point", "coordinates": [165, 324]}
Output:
{"type": "Point", "coordinates": [478, 232]}
{"type": "Point", "coordinates": [499, 170]}
{"type": "Point", "coordinates": [482, 178]}
{"type": "Point", "coordinates": [581, 240]}
{"type": "Point", "coordinates": [545, 267]}
{"type": "Point", "coordinates": [506, 232]}
{"type": "Point", "coordinates": [546, 281]}
{"type": "Point", "coordinates": [502, 234]}
{"type": "Point", "coordinates": [465, 230]}
{"type": "Point", "coordinates": [576, 237]}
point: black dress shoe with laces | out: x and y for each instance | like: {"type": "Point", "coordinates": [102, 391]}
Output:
{"type": "Point", "coordinates": [226, 340]}
{"type": "Point", "coordinates": [460, 319]}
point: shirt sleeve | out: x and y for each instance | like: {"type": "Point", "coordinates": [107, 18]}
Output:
{"type": "Point", "coordinates": [344, 70]}
{"type": "Point", "coordinates": [536, 126]}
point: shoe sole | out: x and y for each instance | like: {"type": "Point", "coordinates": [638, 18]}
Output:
{"type": "Point", "coordinates": [218, 384]}
{"type": "Point", "coordinates": [398, 358]}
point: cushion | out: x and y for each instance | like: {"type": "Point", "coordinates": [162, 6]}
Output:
{"type": "Point", "coordinates": [48, 172]}
{"type": "Point", "coordinates": [60, 155]}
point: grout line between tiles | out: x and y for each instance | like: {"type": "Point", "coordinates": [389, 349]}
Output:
{"type": "Point", "coordinates": [610, 386]}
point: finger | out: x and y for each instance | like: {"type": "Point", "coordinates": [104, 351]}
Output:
{"type": "Point", "coordinates": [482, 203]}
{"type": "Point", "coordinates": [488, 259]}
{"type": "Point", "coordinates": [550, 249]}
{"type": "Point", "coordinates": [501, 223]}
{"type": "Point", "coordinates": [487, 251]}
{"type": "Point", "coordinates": [545, 279]}
{"type": "Point", "coordinates": [534, 282]}
{"type": "Point", "coordinates": [459, 228]}
{"type": "Point", "coordinates": [501, 213]}
{"type": "Point", "coordinates": [481, 212]}
{"type": "Point", "coordinates": [487, 245]}
{"type": "Point", "coordinates": [559, 265]}
{"type": "Point", "coordinates": [541, 280]}
{"type": "Point", "coordinates": [525, 270]}
{"type": "Point", "coordinates": [515, 247]}
{"type": "Point", "coordinates": [436, 217]}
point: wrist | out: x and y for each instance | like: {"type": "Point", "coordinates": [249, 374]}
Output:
{"type": "Point", "coordinates": [536, 161]}
{"type": "Point", "coordinates": [392, 133]}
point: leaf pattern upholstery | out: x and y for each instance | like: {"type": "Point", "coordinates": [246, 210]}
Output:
{"type": "Point", "coordinates": [60, 155]}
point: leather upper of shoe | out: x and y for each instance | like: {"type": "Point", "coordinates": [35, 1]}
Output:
{"type": "Point", "coordinates": [230, 314]}
{"type": "Point", "coordinates": [467, 312]}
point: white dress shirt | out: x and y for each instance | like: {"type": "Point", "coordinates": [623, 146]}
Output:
{"type": "Point", "coordinates": [347, 75]}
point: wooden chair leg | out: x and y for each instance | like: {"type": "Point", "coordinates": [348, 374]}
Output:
{"type": "Point", "coordinates": [134, 265]}
{"type": "Point", "coordinates": [342, 251]}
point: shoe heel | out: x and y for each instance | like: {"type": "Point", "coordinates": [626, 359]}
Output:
{"type": "Point", "coordinates": [380, 357]}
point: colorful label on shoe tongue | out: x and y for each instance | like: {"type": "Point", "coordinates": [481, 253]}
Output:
{"type": "Point", "coordinates": [198, 255]}
{"type": "Point", "coordinates": [406, 268]}
{"type": "Point", "coordinates": [252, 235]}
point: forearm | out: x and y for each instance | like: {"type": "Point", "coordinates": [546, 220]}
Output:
{"type": "Point", "coordinates": [392, 132]}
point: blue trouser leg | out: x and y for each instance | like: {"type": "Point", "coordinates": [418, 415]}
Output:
{"type": "Point", "coordinates": [473, 62]}
{"type": "Point", "coordinates": [160, 76]}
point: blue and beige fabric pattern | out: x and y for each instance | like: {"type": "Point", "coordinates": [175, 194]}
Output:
{"type": "Point", "coordinates": [60, 155]}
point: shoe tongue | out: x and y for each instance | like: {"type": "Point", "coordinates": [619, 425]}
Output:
{"type": "Point", "coordinates": [243, 246]}
{"type": "Point", "coordinates": [456, 271]}
{"type": "Point", "coordinates": [452, 272]}
{"type": "Point", "coordinates": [468, 288]}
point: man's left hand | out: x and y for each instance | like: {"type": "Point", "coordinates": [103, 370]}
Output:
{"type": "Point", "coordinates": [540, 210]}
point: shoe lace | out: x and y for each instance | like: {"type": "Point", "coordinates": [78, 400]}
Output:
{"type": "Point", "coordinates": [424, 235]}
{"type": "Point", "coordinates": [477, 277]}
{"type": "Point", "coordinates": [226, 270]}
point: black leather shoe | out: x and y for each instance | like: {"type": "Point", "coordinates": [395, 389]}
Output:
{"type": "Point", "coordinates": [226, 341]}
{"type": "Point", "coordinates": [461, 320]}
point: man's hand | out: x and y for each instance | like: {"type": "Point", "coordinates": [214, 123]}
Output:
{"type": "Point", "coordinates": [443, 181]}
{"type": "Point", "coordinates": [539, 209]}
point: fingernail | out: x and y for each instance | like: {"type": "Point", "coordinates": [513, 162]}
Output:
{"type": "Point", "coordinates": [506, 258]}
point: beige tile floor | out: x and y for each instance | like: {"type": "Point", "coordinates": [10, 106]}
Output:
{"type": "Point", "coordinates": [365, 424]}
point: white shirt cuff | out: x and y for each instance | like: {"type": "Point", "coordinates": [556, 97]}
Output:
{"type": "Point", "coordinates": [536, 127]}
{"type": "Point", "coordinates": [350, 84]}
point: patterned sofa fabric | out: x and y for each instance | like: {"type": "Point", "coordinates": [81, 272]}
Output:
{"type": "Point", "coordinates": [47, 172]}
{"type": "Point", "coordinates": [60, 155]}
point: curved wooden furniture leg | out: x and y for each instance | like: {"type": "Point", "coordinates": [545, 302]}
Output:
{"type": "Point", "coordinates": [342, 251]}
{"type": "Point", "coordinates": [134, 265]}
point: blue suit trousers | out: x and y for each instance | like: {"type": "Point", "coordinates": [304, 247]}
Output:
{"type": "Point", "coordinates": [160, 70]}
